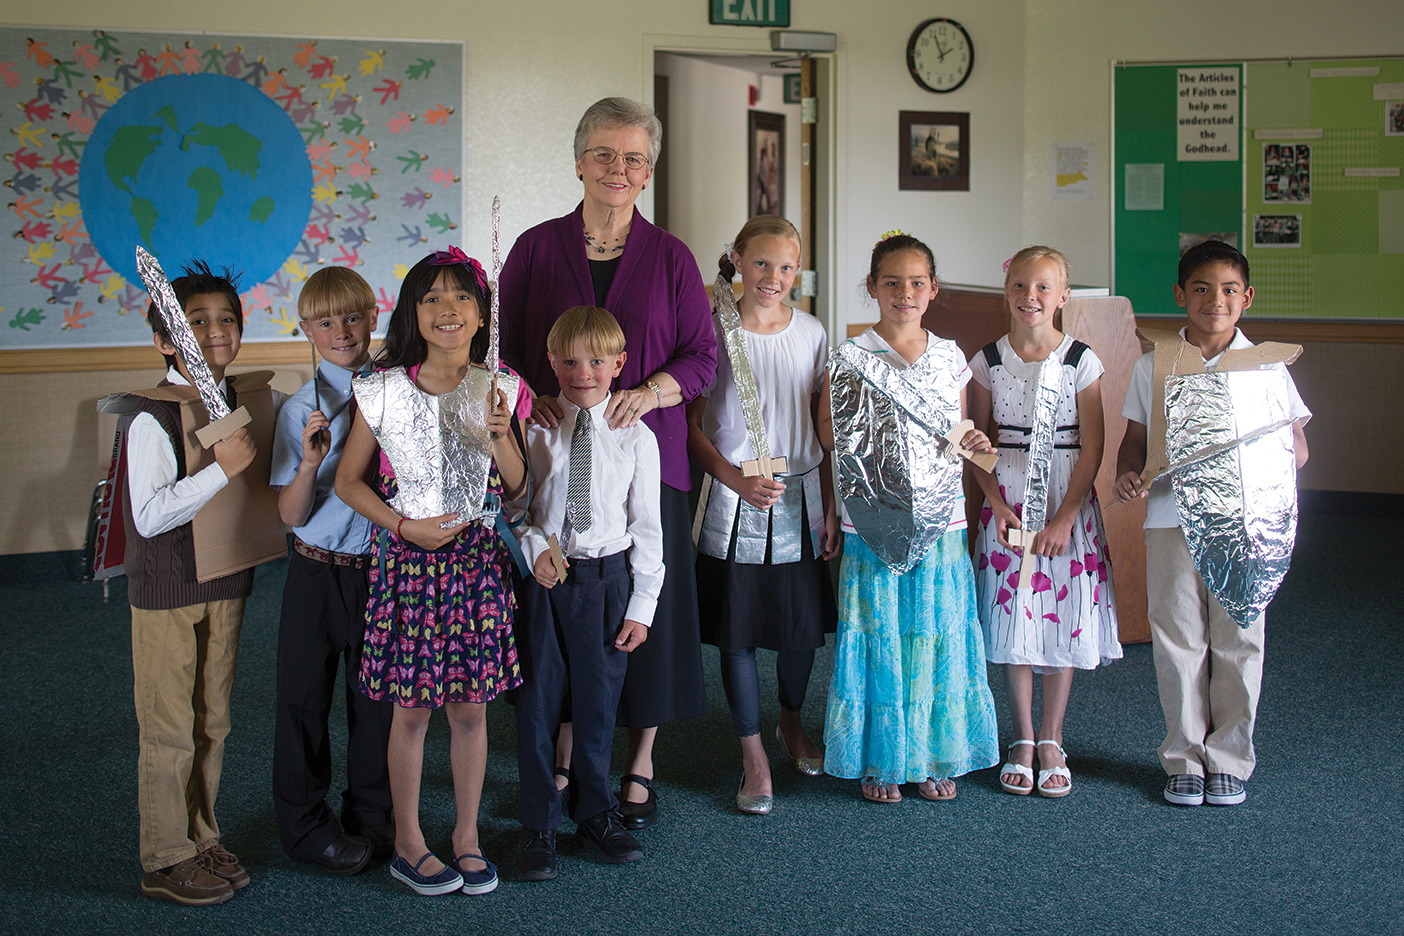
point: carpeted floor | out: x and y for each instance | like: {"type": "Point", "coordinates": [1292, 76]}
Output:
{"type": "Point", "coordinates": [1316, 848]}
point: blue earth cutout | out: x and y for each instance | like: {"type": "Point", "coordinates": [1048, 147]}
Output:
{"type": "Point", "coordinates": [196, 167]}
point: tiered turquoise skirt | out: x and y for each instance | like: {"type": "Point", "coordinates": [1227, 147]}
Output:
{"type": "Point", "coordinates": [909, 697]}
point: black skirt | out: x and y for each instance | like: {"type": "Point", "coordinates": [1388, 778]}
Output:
{"type": "Point", "coordinates": [789, 606]}
{"type": "Point", "coordinates": [664, 679]}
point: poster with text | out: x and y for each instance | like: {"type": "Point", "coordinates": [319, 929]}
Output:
{"type": "Point", "coordinates": [1207, 113]}
{"type": "Point", "coordinates": [272, 156]}
{"type": "Point", "coordinates": [1073, 172]}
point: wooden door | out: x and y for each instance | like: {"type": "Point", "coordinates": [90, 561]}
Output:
{"type": "Point", "coordinates": [808, 90]}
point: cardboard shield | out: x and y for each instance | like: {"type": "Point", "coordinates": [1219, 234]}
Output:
{"type": "Point", "coordinates": [240, 527]}
{"type": "Point", "coordinates": [1234, 473]}
{"type": "Point", "coordinates": [898, 477]}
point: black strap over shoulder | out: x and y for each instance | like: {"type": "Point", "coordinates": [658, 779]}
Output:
{"type": "Point", "coordinates": [1075, 351]}
{"type": "Point", "coordinates": [991, 351]}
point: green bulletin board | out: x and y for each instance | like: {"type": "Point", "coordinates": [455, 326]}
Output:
{"type": "Point", "coordinates": [1200, 197]}
{"type": "Point", "coordinates": [1313, 195]}
{"type": "Point", "coordinates": [1350, 264]}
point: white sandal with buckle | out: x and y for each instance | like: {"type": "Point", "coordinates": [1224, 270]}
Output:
{"type": "Point", "coordinates": [1049, 772]}
{"type": "Point", "coordinates": [1019, 769]}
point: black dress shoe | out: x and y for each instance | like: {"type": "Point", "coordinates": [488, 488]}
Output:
{"type": "Point", "coordinates": [380, 837]}
{"type": "Point", "coordinates": [605, 836]}
{"type": "Point", "coordinates": [636, 816]}
{"type": "Point", "coordinates": [536, 855]}
{"type": "Point", "coordinates": [347, 854]}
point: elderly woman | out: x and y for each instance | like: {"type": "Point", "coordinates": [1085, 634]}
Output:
{"type": "Point", "coordinates": [605, 254]}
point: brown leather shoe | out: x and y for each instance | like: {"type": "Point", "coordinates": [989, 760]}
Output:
{"type": "Point", "coordinates": [188, 883]}
{"type": "Point", "coordinates": [222, 863]}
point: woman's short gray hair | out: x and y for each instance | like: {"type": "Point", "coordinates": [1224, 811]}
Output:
{"type": "Point", "coordinates": [614, 112]}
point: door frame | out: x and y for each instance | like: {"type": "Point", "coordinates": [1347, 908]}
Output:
{"type": "Point", "coordinates": [827, 202]}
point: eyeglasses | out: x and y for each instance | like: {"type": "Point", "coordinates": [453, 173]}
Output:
{"type": "Point", "coordinates": [606, 156]}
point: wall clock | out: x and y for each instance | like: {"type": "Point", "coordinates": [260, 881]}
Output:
{"type": "Point", "coordinates": [940, 54]}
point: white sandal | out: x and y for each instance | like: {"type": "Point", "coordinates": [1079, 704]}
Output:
{"type": "Point", "coordinates": [1019, 769]}
{"type": "Point", "coordinates": [1049, 772]}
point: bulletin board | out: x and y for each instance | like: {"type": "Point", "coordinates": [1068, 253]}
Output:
{"type": "Point", "coordinates": [272, 155]}
{"type": "Point", "coordinates": [1309, 187]}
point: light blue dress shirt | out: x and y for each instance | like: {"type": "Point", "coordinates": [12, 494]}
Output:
{"type": "Point", "coordinates": [331, 524]}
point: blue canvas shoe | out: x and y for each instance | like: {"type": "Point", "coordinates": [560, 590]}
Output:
{"type": "Point", "coordinates": [445, 882]}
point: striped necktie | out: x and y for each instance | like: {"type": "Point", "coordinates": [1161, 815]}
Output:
{"type": "Point", "coordinates": [577, 512]}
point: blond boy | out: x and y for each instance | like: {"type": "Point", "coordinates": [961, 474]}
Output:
{"type": "Point", "coordinates": [323, 617]}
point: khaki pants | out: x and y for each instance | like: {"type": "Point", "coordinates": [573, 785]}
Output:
{"type": "Point", "coordinates": [183, 661]}
{"type": "Point", "coordinates": [1209, 669]}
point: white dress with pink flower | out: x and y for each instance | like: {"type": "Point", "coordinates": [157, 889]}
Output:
{"type": "Point", "coordinates": [1068, 618]}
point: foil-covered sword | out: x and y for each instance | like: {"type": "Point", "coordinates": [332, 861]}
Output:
{"type": "Point", "coordinates": [734, 333]}
{"type": "Point", "coordinates": [223, 423]}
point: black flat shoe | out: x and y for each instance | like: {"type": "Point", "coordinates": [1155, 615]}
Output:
{"type": "Point", "coordinates": [636, 816]}
{"type": "Point", "coordinates": [605, 836]}
{"type": "Point", "coordinates": [536, 855]}
{"type": "Point", "coordinates": [347, 854]}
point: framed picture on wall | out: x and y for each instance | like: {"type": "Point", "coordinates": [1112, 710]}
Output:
{"type": "Point", "coordinates": [766, 134]}
{"type": "Point", "coordinates": [933, 150]}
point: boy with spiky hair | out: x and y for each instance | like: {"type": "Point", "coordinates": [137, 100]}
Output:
{"type": "Point", "coordinates": [185, 632]}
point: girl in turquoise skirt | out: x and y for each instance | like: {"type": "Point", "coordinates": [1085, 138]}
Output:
{"type": "Point", "coordinates": [909, 701]}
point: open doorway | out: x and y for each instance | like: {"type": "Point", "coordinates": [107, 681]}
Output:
{"type": "Point", "coordinates": [734, 146]}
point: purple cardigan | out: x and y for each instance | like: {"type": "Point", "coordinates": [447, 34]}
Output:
{"type": "Point", "coordinates": [657, 296]}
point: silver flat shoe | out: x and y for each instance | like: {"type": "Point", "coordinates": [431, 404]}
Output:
{"type": "Point", "coordinates": [809, 766]}
{"type": "Point", "coordinates": [755, 805]}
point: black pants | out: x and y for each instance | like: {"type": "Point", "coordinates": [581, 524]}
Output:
{"type": "Point", "coordinates": [742, 684]}
{"type": "Point", "coordinates": [565, 642]}
{"type": "Point", "coordinates": [324, 618]}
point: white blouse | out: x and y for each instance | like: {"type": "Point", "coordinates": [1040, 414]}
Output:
{"type": "Point", "coordinates": [789, 367]}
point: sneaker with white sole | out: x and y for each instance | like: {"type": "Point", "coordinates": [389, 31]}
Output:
{"type": "Point", "coordinates": [1223, 789]}
{"type": "Point", "coordinates": [1184, 789]}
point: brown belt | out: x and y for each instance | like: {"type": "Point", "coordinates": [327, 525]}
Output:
{"type": "Point", "coordinates": [317, 554]}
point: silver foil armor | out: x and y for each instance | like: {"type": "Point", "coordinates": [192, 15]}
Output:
{"type": "Point", "coordinates": [721, 510]}
{"type": "Point", "coordinates": [439, 446]}
{"type": "Point", "coordinates": [1238, 506]}
{"type": "Point", "coordinates": [1047, 390]}
{"type": "Point", "coordinates": [178, 327]}
{"type": "Point", "coordinates": [898, 478]}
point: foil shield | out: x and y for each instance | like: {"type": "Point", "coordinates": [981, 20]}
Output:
{"type": "Point", "coordinates": [898, 478]}
{"type": "Point", "coordinates": [178, 327]}
{"type": "Point", "coordinates": [439, 446]}
{"type": "Point", "coordinates": [1238, 506]}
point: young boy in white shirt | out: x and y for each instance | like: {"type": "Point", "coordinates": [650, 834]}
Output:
{"type": "Point", "coordinates": [597, 491]}
{"type": "Point", "coordinates": [185, 633]}
{"type": "Point", "coordinates": [1209, 669]}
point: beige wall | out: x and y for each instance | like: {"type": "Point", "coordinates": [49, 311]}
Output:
{"type": "Point", "coordinates": [53, 457]}
{"type": "Point", "coordinates": [1355, 427]}
{"type": "Point", "coordinates": [1040, 77]}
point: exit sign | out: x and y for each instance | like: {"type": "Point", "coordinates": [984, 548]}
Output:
{"type": "Point", "coordinates": [750, 12]}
